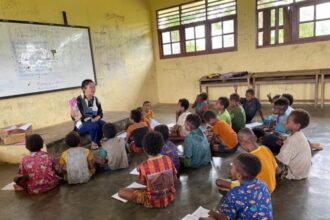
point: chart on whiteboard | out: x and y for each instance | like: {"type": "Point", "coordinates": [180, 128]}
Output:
{"type": "Point", "coordinates": [38, 58]}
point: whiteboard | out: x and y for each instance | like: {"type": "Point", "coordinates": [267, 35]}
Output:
{"type": "Point", "coordinates": [36, 58]}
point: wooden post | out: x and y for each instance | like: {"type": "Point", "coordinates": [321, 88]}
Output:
{"type": "Point", "coordinates": [322, 90]}
{"type": "Point", "coordinates": [65, 20]}
{"type": "Point", "coordinates": [316, 94]}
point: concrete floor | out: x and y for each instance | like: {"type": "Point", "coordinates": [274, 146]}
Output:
{"type": "Point", "coordinates": [306, 199]}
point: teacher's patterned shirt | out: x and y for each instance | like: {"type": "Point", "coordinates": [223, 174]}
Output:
{"type": "Point", "coordinates": [250, 200]}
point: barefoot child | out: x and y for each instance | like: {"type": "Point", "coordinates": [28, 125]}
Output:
{"type": "Point", "coordinates": [157, 172]}
{"type": "Point", "coordinates": [241, 202]}
{"type": "Point", "coordinates": [36, 172]}
{"type": "Point", "coordinates": [76, 163]}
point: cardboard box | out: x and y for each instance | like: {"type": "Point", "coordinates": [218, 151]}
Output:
{"type": "Point", "coordinates": [15, 133]}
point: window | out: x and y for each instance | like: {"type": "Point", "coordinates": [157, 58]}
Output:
{"type": "Point", "coordinates": [171, 42]}
{"type": "Point", "coordinates": [314, 20]}
{"type": "Point", "coordinates": [195, 38]}
{"type": "Point", "coordinates": [200, 27]}
{"type": "Point", "coordinates": [292, 21]}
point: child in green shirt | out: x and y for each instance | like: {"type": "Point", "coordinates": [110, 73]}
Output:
{"type": "Point", "coordinates": [221, 107]}
{"type": "Point", "coordinates": [237, 112]}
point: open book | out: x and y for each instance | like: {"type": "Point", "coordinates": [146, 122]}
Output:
{"type": "Point", "coordinates": [200, 212]}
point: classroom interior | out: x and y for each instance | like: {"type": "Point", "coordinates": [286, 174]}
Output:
{"type": "Point", "coordinates": [129, 70]}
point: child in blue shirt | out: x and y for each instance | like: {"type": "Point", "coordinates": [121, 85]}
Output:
{"type": "Point", "coordinates": [197, 150]}
{"type": "Point", "coordinates": [251, 106]}
{"type": "Point", "coordinates": [201, 104]}
{"type": "Point", "coordinates": [279, 116]}
{"type": "Point", "coordinates": [169, 148]}
{"type": "Point", "coordinates": [251, 199]}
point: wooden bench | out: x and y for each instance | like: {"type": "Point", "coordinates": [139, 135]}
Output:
{"type": "Point", "coordinates": [53, 138]}
{"type": "Point", "coordinates": [205, 83]}
{"type": "Point", "coordinates": [314, 76]}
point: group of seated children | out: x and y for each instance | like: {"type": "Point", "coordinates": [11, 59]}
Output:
{"type": "Point", "coordinates": [39, 172]}
{"type": "Point", "coordinates": [255, 173]}
{"type": "Point", "coordinates": [252, 173]}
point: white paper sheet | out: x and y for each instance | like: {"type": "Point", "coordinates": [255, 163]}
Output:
{"type": "Point", "coordinates": [153, 123]}
{"type": "Point", "coordinates": [180, 150]}
{"type": "Point", "coordinates": [171, 125]}
{"type": "Point", "coordinates": [198, 213]}
{"type": "Point", "coordinates": [116, 196]}
{"type": "Point", "coordinates": [189, 217]}
{"type": "Point", "coordinates": [201, 212]}
{"type": "Point", "coordinates": [9, 186]}
{"type": "Point", "coordinates": [136, 185]}
{"type": "Point", "coordinates": [25, 126]}
{"type": "Point", "coordinates": [253, 125]}
{"type": "Point", "coordinates": [122, 135]}
{"type": "Point", "coordinates": [134, 172]}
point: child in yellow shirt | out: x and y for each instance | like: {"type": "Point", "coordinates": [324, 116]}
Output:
{"type": "Point", "coordinates": [147, 111]}
{"type": "Point", "coordinates": [248, 142]}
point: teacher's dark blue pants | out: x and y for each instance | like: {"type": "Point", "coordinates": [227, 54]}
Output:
{"type": "Point", "coordinates": [94, 129]}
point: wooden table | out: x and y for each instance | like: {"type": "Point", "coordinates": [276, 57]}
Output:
{"type": "Point", "coordinates": [205, 83]}
{"type": "Point", "coordinates": [290, 77]}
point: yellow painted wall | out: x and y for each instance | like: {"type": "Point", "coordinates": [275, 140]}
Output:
{"type": "Point", "coordinates": [178, 77]}
{"type": "Point", "coordinates": [123, 54]}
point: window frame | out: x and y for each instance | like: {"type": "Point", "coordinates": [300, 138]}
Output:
{"type": "Point", "coordinates": [293, 22]}
{"type": "Point", "coordinates": [208, 37]}
{"type": "Point", "coordinates": [314, 38]}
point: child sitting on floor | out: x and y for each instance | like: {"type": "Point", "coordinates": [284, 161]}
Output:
{"type": "Point", "coordinates": [236, 112]}
{"type": "Point", "coordinates": [144, 119]}
{"type": "Point", "coordinates": [289, 97]}
{"type": "Point", "coordinates": [277, 122]}
{"type": "Point", "coordinates": [223, 138]}
{"type": "Point", "coordinates": [181, 113]}
{"type": "Point", "coordinates": [272, 99]}
{"type": "Point", "coordinates": [113, 151]}
{"type": "Point", "coordinates": [197, 151]}
{"type": "Point", "coordinates": [36, 172]}
{"type": "Point", "coordinates": [76, 163]}
{"type": "Point", "coordinates": [201, 104]}
{"type": "Point", "coordinates": [169, 148]}
{"type": "Point", "coordinates": [248, 141]}
{"type": "Point", "coordinates": [221, 107]}
{"type": "Point", "coordinates": [157, 172]}
{"type": "Point", "coordinates": [136, 132]}
{"type": "Point", "coordinates": [251, 106]}
{"type": "Point", "coordinates": [295, 153]}
{"type": "Point", "coordinates": [147, 111]}
{"type": "Point", "coordinates": [251, 199]}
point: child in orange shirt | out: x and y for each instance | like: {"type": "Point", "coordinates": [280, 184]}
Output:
{"type": "Point", "coordinates": [157, 172]}
{"type": "Point", "coordinates": [136, 132]}
{"type": "Point", "coordinates": [222, 137]}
